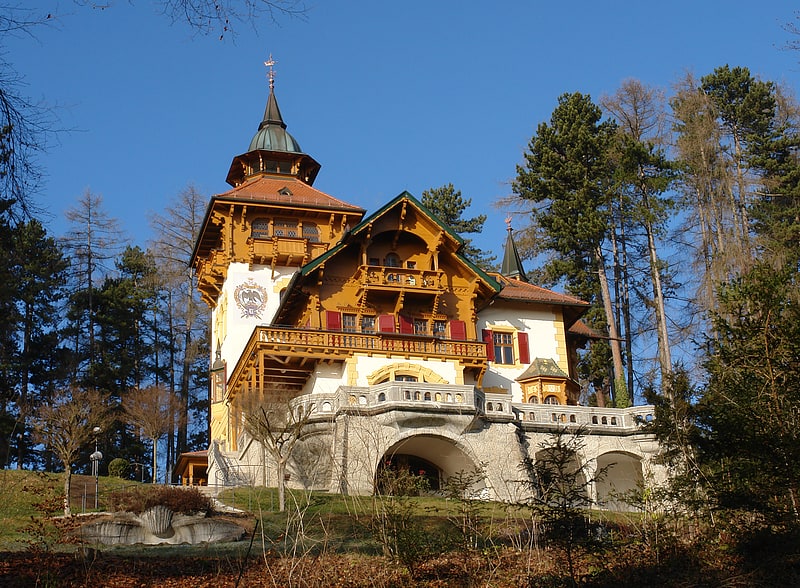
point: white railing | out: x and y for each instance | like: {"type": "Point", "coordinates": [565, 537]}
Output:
{"type": "Point", "coordinates": [446, 397]}
{"type": "Point", "coordinates": [594, 418]}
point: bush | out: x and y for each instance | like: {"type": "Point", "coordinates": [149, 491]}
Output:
{"type": "Point", "coordinates": [118, 468]}
{"type": "Point", "coordinates": [182, 500]}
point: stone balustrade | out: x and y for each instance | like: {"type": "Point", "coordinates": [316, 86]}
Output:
{"type": "Point", "coordinates": [405, 395]}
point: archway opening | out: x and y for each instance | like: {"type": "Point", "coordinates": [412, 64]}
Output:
{"type": "Point", "coordinates": [409, 475]}
{"type": "Point", "coordinates": [624, 475]}
{"type": "Point", "coordinates": [425, 462]}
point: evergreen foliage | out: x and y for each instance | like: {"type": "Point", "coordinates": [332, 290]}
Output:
{"type": "Point", "coordinates": [449, 206]}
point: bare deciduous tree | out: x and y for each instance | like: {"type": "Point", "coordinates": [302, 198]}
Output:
{"type": "Point", "coordinates": [151, 410]}
{"type": "Point", "coordinates": [271, 419]}
{"type": "Point", "coordinates": [66, 425]}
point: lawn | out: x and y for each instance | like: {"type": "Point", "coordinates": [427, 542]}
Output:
{"type": "Point", "coordinates": [325, 540]}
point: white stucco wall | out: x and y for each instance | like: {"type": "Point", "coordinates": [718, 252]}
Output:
{"type": "Point", "coordinates": [542, 329]}
{"type": "Point", "coordinates": [240, 321]}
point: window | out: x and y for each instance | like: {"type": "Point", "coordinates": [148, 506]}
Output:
{"type": "Point", "coordinates": [374, 261]}
{"type": "Point", "coordinates": [311, 232]}
{"type": "Point", "coordinates": [503, 348]}
{"type": "Point", "coordinates": [420, 326]}
{"type": "Point", "coordinates": [551, 400]}
{"type": "Point", "coordinates": [411, 264]}
{"type": "Point", "coordinates": [367, 324]}
{"type": "Point", "coordinates": [349, 323]}
{"type": "Point", "coordinates": [439, 328]}
{"type": "Point", "coordinates": [285, 228]}
{"type": "Point", "coordinates": [405, 378]}
{"type": "Point", "coordinates": [392, 260]}
{"type": "Point", "coordinates": [260, 228]}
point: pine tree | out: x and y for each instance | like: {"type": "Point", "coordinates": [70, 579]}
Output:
{"type": "Point", "coordinates": [449, 205]}
{"type": "Point", "coordinates": [567, 180]}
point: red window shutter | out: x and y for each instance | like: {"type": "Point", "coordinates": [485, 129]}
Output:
{"type": "Point", "coordinates": [406, 325]}
{"type": "Point", "coordinates": [488, 338]}
{"type": "Point", "coordinates": [333, 320]}
{"type": "Point", "coordinates": [458, 330]}
{"type": "Point", "coordinates": [524, 350]}
{"type": "Point", "coordinates": [386, 323]}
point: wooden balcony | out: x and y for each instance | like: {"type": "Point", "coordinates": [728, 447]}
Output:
{"type": "Point", "coordinates": [373, 277]}
{"type": "Point", "coordinates": [285, 250]}
{"type": "Point", "coordinates": [285, 357]}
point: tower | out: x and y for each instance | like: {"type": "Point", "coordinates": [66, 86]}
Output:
{"type": "Point", "coordinates": [253, 240]}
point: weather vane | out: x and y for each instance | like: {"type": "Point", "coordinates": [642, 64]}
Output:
{"type": "Point", "coordinates": [270, 63]}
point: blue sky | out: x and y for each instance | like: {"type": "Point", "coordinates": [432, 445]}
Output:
{"type": "Point", "coordinates": [387, 96]}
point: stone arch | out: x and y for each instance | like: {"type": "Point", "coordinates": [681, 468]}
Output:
{"type": "Point", "coordinates": [387, 373]}
{"type": "Point", "coordinates": [419, 453]}
{"type": "Point", "coordinates": [624, 474]}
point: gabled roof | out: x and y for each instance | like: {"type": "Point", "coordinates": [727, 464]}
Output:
{"type": "Point", "coordinates": [292, 289]}
{"type": "Point", "coordinates": [458, 242]}
{"type": "Point", "coordinates": [278, 190]}
{"type": "Point", "coordinates": [526, 292]}
{"type": "Point", "coordinates": [581, 329]}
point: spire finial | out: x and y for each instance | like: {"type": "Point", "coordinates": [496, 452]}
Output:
{"type": "Point", "coordinates": [508, 222]}
{"type": "Point", "coordinates": [270, 63]}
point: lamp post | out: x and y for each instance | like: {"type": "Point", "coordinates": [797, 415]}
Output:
{"type": "Point", "coordinates": [96, 457]}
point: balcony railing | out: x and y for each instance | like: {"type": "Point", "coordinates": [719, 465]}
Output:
{"type": "Point", "coordinates": [374, 276]}
{"type": "Point", "coordinates": [464, 398]}
{"type": "Point", "coordinates": [343, 343]}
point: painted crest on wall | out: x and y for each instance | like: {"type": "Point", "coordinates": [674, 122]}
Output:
{"type": "Point", "coordinates": [251, 299]}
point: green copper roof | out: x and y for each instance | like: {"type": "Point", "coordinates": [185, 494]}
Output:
{"type": "Point", "coordinates": [512, 264]}
{"type": "Point", "coordinates": [542, 367]}
{"type": "Point", "coordinates": [272, 135]}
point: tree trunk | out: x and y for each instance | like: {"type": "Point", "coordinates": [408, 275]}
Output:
{"type": "Point", "coordinates": [155, 460]}
{"type": "Point", "coordinates": [616, 347]}
{"type": "Point", "coordinates": [67, 489]}
{"type": "Point", "coordinates": [664, 353]}
{"type": "Point", "coordinates": [281, 471]}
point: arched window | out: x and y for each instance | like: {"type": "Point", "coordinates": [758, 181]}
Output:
{"type": "Point", "coordinates": [551, 400]}
{"type": "Point", "coordinates": [285, 228]}
{"type": "Point", "coordinates": [391, 260]}
{"type": "Point", "coordinates": [311, 232]}
{"type": "Point", "coordinates": [572, 418]}
{"type": "Point", "coordinates": [326, 407]}
{"type": "Point", "coordinates": [381, 397]}
{"type": "Point", "coordinates": [260, 228]}
{"type": "Point", "coordinates": [489, 406]}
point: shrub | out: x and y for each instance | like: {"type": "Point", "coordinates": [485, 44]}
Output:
{"type": "Point", "coordinates": [118, 468]}
{"type": "Point", "coordinates": [177, 499]}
